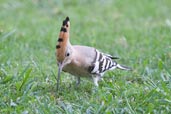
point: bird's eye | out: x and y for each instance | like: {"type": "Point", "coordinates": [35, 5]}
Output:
{"type": "Point", "coordinates": [67, 54]}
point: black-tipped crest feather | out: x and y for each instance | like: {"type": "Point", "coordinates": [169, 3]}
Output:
{"type": "Point", "coordinates": [65, 21]}
{"type": "Point", "coordinates": [67, 18]}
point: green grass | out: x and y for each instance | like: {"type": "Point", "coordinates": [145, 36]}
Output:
{"type": "Point", "coordinates": [139, 32]}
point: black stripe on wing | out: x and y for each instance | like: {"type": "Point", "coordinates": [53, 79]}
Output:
{"type": "Point", "coordinates": [101, 63]}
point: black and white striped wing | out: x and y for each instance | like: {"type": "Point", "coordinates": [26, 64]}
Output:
{"type": "Point", "coordinates": [102, 63]}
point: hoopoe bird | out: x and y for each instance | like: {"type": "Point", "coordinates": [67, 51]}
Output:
{"type": "Point", "coordinates": [82, 61]}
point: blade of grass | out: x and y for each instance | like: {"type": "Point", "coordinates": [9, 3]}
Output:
{"type": "Point", "coordinates": [27, 72]}
{"type": "Point", "coordinates": [8, 34]}
{"type": "Point", "coordinates": [129, 106]}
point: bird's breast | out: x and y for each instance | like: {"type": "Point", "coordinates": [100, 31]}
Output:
{"type": "Point", "coordinates": [77, 69]}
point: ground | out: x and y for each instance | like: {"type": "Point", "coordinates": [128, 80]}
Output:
{"type": "Point", "coordinates": [139, 32]}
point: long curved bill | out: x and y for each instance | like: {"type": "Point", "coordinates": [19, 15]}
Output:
{"type": "Point", "coordinates": [60, 66]}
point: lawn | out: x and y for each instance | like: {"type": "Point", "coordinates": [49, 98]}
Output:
{"type": "Point", "coordinates": [137, 31]}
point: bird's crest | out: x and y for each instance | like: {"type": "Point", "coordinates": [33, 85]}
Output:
{"type": "Point", "coordinates": [63, 40]}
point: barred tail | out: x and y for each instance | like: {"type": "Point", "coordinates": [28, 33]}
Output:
{"type": "Point", "coordinates": [63, 39]}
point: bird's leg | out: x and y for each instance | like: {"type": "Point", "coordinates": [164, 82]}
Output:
{"type": "Point", "coordinates": [96, 78]}
{"type": "Point", "coordinates": [78, 81]}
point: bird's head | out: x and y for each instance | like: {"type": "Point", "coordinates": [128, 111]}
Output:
{"type": "Point", "coordinates": [63, 47]}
